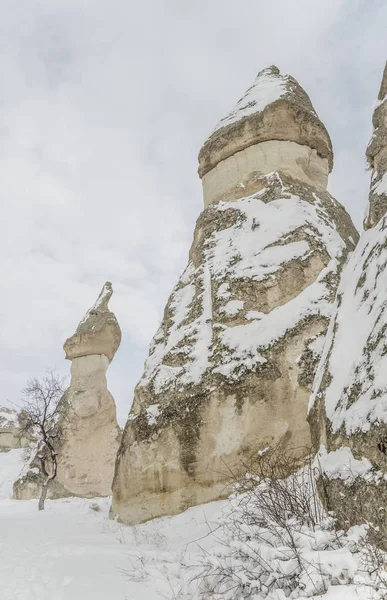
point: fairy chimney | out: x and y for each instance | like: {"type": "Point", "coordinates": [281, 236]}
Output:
{"type": "Point", "coordinates": [87, 455]}
{"type": "Point", "coordinates": [230, 369]}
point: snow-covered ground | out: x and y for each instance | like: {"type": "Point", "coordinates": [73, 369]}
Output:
{"type": "Point", "coordinates": [72, 551]}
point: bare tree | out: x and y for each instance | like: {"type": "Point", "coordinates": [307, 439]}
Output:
{"type": "Point", "coordinates": [42, 417]}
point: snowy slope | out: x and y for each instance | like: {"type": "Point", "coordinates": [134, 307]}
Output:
{"type": "Point", "coordinates": [71, 551]}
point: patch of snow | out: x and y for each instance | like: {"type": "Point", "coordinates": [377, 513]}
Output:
{"type": "Point", "coordinates": [264, 451]}
{"type": "Point", "coordinates": [317, 345]}
{"type": "Point", "coordinates": [106, 291]}
{"type": "Point", "coordinates": [223, 291]}
{"type": "Point", "coordinates": [254, 314]}
{"type": "Point", "coordinates": [341, 464]}
{"type": "Point", "coordinates": [152, 413]}
{"type": "Point", "coordinates": [267, 88]}
{"type": "Point", "coordinates": [380, 187]}
{"type": "Point", "coordinates": [8, 418]}
{"type": "Point", "coordinates": [232, 308]}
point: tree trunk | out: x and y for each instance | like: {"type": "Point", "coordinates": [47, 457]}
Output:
{"type": "Point", "coordinates": [43, 495]}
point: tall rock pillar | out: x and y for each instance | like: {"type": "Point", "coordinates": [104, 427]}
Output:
{"type": "Point", "coordinates": [230, 368]}
{"type": "Point", "coordinates": [91, 434]}
{"type": "Point", "coordinates": [377, 159]}
{"type": "Point", "coordinates": [348, 409]}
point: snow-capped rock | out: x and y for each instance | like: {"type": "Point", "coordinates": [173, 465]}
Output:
{"type": "Point", "coordinates": [231, 367]}
{"type": "Point", "coordinates": [87, 455]}
{"type": "Point", "coordinates": [274, 127]}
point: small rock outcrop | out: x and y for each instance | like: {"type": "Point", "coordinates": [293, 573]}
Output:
{"type": "Point", "coordinates": [348, 408]}
{"type": "Point", "coordinates": [10, 434]}
{"type": "Point", "coordinates": [231, 367]}
{"type": "Point", "coordinates": [87, 455]}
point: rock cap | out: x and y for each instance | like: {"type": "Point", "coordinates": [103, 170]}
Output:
{"type": "Point", "coordinates": [275, 107]}
{"type": "Point", "coordinates": [98, 332]}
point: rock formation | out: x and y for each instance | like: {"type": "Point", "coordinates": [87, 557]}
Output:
{"type": "Point", "coordinates": [377, 159]}
{"type": "Point", "coordinates": [92, 436]}
{"type": "Point", "coordinates": [10, 430]}
{"type": "Point", "coordinates": [230, 368]}
{"type": "Point", "coordinates": [348, 409]}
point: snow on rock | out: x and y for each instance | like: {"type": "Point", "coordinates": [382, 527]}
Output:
{"type": "Point", "coordinates": [276, 114]}
{"type": "Point", "coordinates": [256, 246]}
{"type": "Point", "coordinates": [268, 86]}
{"type": "Point", "coordinates": [341, 464]}
{"type": "Point", "coordinates": [8, 418]}
{"type": "Point", "coordinates": [355, 396]}
{"type": "Point", "coordinates": [10, 429]}
{"type": "Point", "coordinates": [232, 308]}
{"type": "Point", "coordinates": [231, 365]}
{"type": "Point", "coordinates": [153, 412]}
{"type": "Point", "coordinates": [87, 415]}
{"type": "Point", "coordinates": [348, 406]}
{"type": "Point", "coordinates": [255, 297]}
{"type": "Point", "coordinates": [377, 159]}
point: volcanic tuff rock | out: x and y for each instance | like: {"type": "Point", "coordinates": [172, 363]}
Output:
{"type": "Point", "coordinates": [92, 436]}
{"type": "Point", "coordinates": [348, 409]}
{"type": "Point", "coordinates": [10, 430]}
{"type": "Point", "coordinates": [231, 367]}
{"type": "Point", "coordinates": [273, 127]}
{"type": "Point", "coordinates": [377, 159]}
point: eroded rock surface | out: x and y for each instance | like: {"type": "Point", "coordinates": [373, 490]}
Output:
{"type": "Point", "coordinates": [231, 367]}
{"type": "Point", "coordinates": [92, 436]}
{"type": "Point", "coordinates": [273, 127]}
{"type": "Point", "coordinates": [348, 411]}
{"type": "Point", "coordinates": [377, 159]}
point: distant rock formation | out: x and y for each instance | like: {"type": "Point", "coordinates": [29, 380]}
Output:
{"type": "Point", "coordinates": [348, 409]}
{"type": "Point", "coordinates": [231, 367]}
{"type": "Point", "coordinates": [10, 437]}
{"type": "Point", "coordinates": [92, 436]}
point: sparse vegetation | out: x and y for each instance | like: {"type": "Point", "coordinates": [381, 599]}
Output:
{"type": "Point", "coordinates": [40, 417]}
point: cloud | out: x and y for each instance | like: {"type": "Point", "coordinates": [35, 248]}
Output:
{"type": "Point", "coordinates": [103, 108]}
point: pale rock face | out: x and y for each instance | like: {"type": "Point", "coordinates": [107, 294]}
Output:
{"type": "Point", "coordinates": [241, 175]}
{"type": "Point", "coordinates": [275, 107]}
{"type": "Point", "coordinates": [98, 332]}
{"type": "Point", "coordinates": [348, 407]}
{"type": "Point", "coordinates": [274, 127]}
{"type": "Point", "coordinates": [92, 436]}
{"type": "Point", "coordinates": [231, 367]}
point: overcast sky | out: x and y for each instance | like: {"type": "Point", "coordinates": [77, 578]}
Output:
{"type": "Point", "coordinates": [104, 106]}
